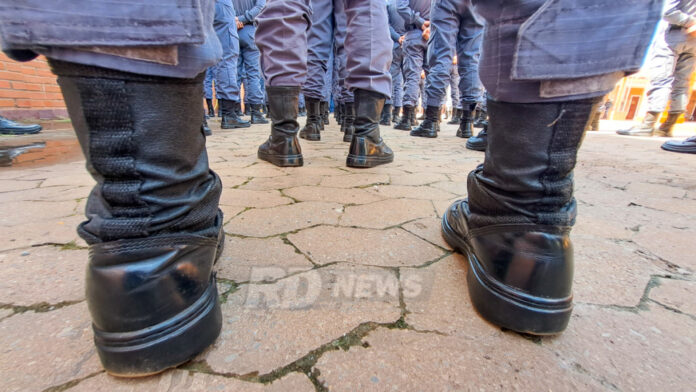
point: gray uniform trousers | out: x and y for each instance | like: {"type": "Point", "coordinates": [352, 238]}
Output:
{"type": "Point", "coordinates": [227, 86]}
{"type": "Point", "coordinates": [671, 62]}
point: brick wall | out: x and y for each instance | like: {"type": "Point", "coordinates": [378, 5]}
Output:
{"type": "Point", "coordinates": [28, 91]}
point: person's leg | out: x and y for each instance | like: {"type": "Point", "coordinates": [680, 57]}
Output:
{"type": "Point", "coordinates": [412, 66]}
{"type": "Point", "coordinates": [226, 77]}
{"type": "Point", "coordinates": [368, 51]}
{"type": "Point", "coordinates": [397, 83]}
{"type": "Point", "coordinates": [468, 54]}
{"type": "Point", "coordinates": [250, 56]}
{"type": "Point", "coordinates": [208, 90]}
{"type": "Point", "coordinates": [684, 65]}
{"type": "Point", "coordinates": [281, 36]}
{"type": "Point", "coordinates": [454, 95]}
{"type": "Point", "coordinates": [346, 95]}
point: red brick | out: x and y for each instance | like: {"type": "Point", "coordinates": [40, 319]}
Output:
{"type": "Point", "coordinates": [5, 84]}
{"type": "Point", "coordinates": [51, 88]}
{"type": "Point", "coordinates": [7, 75]}
{"type": "Point", "coordinates": [23, 103]}
{"type": "Point", "coordinates": [28, 70]}
{"type": "Point", "coordinates": [13, 66]}
{"type": "Point", "coordinates": [7, 103]}
{"type": "Point", "coordinates": [27, 86]}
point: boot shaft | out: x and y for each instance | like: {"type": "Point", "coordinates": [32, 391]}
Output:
{"type": "Point", "coordinates": [283, 106]}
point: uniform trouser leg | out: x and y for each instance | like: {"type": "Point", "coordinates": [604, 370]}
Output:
{"type": "Point", "coordinates": [227, 86]}
{"type": "Point", "coordinates": [469, 39]}
{"type": "Point", "coordinates": [320, 46]}
{"type": "Point", "coordinates": [252, 68]}
{"type": "Point", "coordinates": [454, 88]}
{"type": "Point", "coordinates": [208, 83]}
{"type": "Point", "coordinates": [397, 77]}
{"type": "Point", "coordinates": [414, 49]}
{"type": "Point", "coordinates": [341, 26]}
{"type": "Point", "coordinates": [682, 74]}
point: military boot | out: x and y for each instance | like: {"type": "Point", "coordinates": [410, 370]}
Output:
{"type": "Point", "coordinates": [645, 128]}
{"type": "Point", "coordinates": [247, 109]}
{"type": "Point", "coordinates": [282, 148]}
{"type": "Point", "coordinates": [430, 126]}
{"type": "Point", "coordinates": [514, 227]}
{"type": "Point", "coordinates": [478, 142]}
{"type": "Point", "coordinates": [311, 130]}
{"type": "Point", "coordinates": [205, 128]}
{"type": "Point", "coordinates": [256, 115]}
{"type": "Point", "coordinates": [154, 229]}
{"type": "Point", "coordinates": [466, 127]}
{"type": "Point", "coordinates": [665, 130]}
{"type": "Point", "coordinates": [386, 115]}
{"type": "Point", "coordinates": [367, 149]}
{"type": "Point", "coordinates": [338, 113]}
{"type": "Point", "coordinates": [324, 106]}
{"type": "Point", "coordinates": [230, 120]}
{"type": "Point", "coordinates": [456, 116]}
{"type": "Point", "coordinates": [219, 113]}
{"type": "Point", "coordinates": [348, 127]}
{"type": "Point", "coordinates": [211, 108]}
{"type": "Point", "coordinates": [406, 119]}
{"type": "Point", "coordinates": [395, 114]}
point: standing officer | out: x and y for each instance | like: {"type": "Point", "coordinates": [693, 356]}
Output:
{"type": "Point", "coordinates": [247, 10]}
{"type": "Point", "coordinates": [397, 31]}
{"type": "Point", "coordinates": [416, 15]}
{"type": "Point", "coordinates": [454, 26]}
{"type": "Point", "coordinates": [282, 38]}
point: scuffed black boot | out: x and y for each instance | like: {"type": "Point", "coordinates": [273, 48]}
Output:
{"type": "Point", "coordinates": [219, 113]}
{"type": "Point", "coordinates": [395, 114]}
{"type": "Point", "coordinates": [481, 118]}
{"type": "Point", "coordinates": [348, 127]}
{"type": "Point", "coordinates": [282, 148]}
{"type": "Point", "coordinates": [386, 115]}
{"type": "Point", "coordinates": [312, 129]}
{"type": "Point", "coordinates": [514, 227]}
{"type": "Point", "coordinates": [324, 107]}
{"type": "Point", "coordinates": [478, 142]}
{"type": "Point", "coordinates": [406, 119]}
{"type": "Point", "coordinates": [256, 115]}
{"type": "Point", "coordinates": [230, 120]}
{"type": "Point", "coordinates": [456, 116]}
{"type": "Point", "coordinates": [9, 127]}
{"type": "Point", "coordinates": [645, 128]}
{"type": "Point", "coordinates": [211, 108]}
{"type": "Point", "coordinates": [153, 225]}
{"type": "Point", "coordinates": [205, 128]}
{"type": "Point", "coordinates": [665, 130]}
{"type": "Point", "coordinates": [430, 126]}
{"type": "Point", "coordinates": [466, 127]}
{"type": "Point", "coordinates": [367, 149]}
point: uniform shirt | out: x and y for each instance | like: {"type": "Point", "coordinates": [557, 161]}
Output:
{"type": "Point", "coordinates": [248, 9]}
{"type": "Point", "coordinates": [397, 26]}
{"type": "Point", "coordinates": [414, 12]}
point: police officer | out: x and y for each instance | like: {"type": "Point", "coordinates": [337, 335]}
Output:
{"type": "Point", "coordinates": [416, 15]}
{"type": "Point", "coordinates": [246, 11]}
{"type": "Point", "coordinates": [453, 26]}
{"type": "Point", "coordinates": [284, 63]}
{"type": "Point", "coordinates": [670, 66]}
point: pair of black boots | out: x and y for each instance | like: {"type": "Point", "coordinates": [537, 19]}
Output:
{"type": "Point", "coordinates": [317, 118]}
{"type": "Point", "coordinates": [367, 149]}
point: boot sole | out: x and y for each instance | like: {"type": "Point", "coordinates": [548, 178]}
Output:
{"type": "Point", "coordinates": [428, 135]}
{"type": "Point", "coordinates": [282, 160]}
{"type": "Point", "coordinates": [475, 147]}
{"type": "Point", "coordinates": [503, 305]}
{"type": "Point", "coordinates": [347, 138]}
{"type": "Point", "coordinates": [684, 150]}
{"type": "Point", "coordinates": [260, 122]}
{"type": "Point", "coordinates": [403, 128]}
{"type": "Point", "coordinates": [235, 126]}
{"type": "Point", "coordinates": [311, 138]}
{"type": "Point", "coordinates": [160, 347]}
{"type": "Point", "coordinates": [12, 132]}
{"type": "Point", "coordinates": [367, 162]}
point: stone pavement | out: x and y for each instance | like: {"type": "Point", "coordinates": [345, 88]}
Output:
{"type": "Point", "coordinates": [335, 278]}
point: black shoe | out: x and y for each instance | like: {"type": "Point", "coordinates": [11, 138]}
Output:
{"type": "Point", "coordinates": [465, 129]}
{"type": "Point", "coordinates": [9, 127]}
{"type": "Point", "coordinates": [395, 114]}
{"type": "Point", "coordinates": [205, 128]}
{"type": "Point", "coordinates": [478, 142]}
{"type": "Point", "coordinates": [247, 109]}
{"type": "Point", "coordinates": [430, 126]}
{"type": "Point", "coordinates": [480, 118]}
{"type": "Point", "coordinates": [211, 108]}
{"type": "Point", "coordinates": [282, 148]}
{"type": "Point", "coordinates": [348, 127]}
{"type": "Point", "coordinates": [386, 115]}
{"type": "Point", "coordinates": [312, 130]}
{"type": "Point", "coordinates": [340, 111]}
{"type": "Point", "coordinates": [645, 128]}
{"type": "Point", "coordinates": [405, 123]}
{"type": "Point", "coordinates": [256, 115]}
{"type": "Point", "coordinates": [219, 113]}
{"type": "Point", "coordinates": [519, 277]}
{"type": "Point", "coordinates": [154, 226]}
{"type": "Point", "coordinates": [687, 146]}
{"type": "Point", "coordinates": [324, 107]}
{"type": "Point", "coordinates": [456, 116]}
{"type": "Point", "coordinates": [230, 120]}
{"type": "Point", "coordinates": [367, 149]}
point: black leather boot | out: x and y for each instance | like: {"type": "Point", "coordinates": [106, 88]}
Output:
{"type": "Point", "coordinates": [367, 149]}
{"type": "Point", "coordinates": [256, 115]}
{"type": "Point", "coordinates": [478, 142]}
{"type": "Point", "coordinates": [645, 128]}
{"type": "Point", "coordinates": [395, 114]}
{"type": "Point", "coordinates": [312, 129]}
{"type": "Point", "coordinates": [386, 115]}
{"type": "Point", "coordinates": [9, 127]}
{"type": "Point", "coordinates": [406, 119]}
{"type": "Point", "coordinates": [430, 126]}
{"type": "Point", "coordinates": [282, 148]}
{"type": "Point", "coordinates": [153, 223]}
{"type": "Point", "coordinates": [302, 111]}
{"type": "Point", "coordinates": [515, 224]}
{"type": "Point", "coordinates": [665, 130]}
{"type": "Point", "coordinates": [339, 113]}
{"type": "Point", "coordinates": [324, 106]}
{"type": "Point", "coordinates": [480, 118]}
{"type": "Point", "coordinates": [456, 116]}
{"type": "Point", "coordinates": [247, 109]}
{"type": "Point", "coordinates": [205, 128]}
{"type": "Point", "coordinates": [211, 108]}
{"type": "Point", "coordinates": [230, 120]}
{"type": "Point", "coordinates": [219, 113]}
{"type": "Point", "coordinates": [348, 127]}
{"type": "Point", "coordinates": [466, 127]}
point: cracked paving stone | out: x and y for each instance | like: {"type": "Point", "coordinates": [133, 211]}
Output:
{"type": "Point", "coordinates": [54, 193]}
{"type": "Point", "coordinates": [453, 187]}
{"type": "Point", "coordinates": [232, 181]}
{"type": "Point", "coordinates": [676, 246]}
{"type": "Point", "coordinates": [253, 198]}
{"type": "Point", "coordinates": [354, 180]}
{"type": "Point", "coordinates": [16, 185]}
{"type": "Point", "coordinates": [269, 326]}
{"type": "Point", "coordinates": [392, 247]}
{"type": "Point", "coordinates": [429, 229]}
{"type": "Point", "coordinates": [408, 360]}
{"type": "Point", "coordinates": [83, 179]}
{"type": "Point", "coordinates": [336, 195]}
{"type": "Point", "coordinates": [644, 351]}
{"type": "Point", "coordinates": [277, 220]}
{"type": "Point", "coordinates": [411, 192]}
{"type": "Point", "coordinates": [229, 212]}
{"type": "Point", "coordinates": [417, 178]}
{"type": "Point", "coordinates": [677, 294]}
{"type": "Point", "coordinates": [5, 312]}
{"type": "Point", "coordinates": [55, 231]}
{"type": "Point", "coordinates": [609, 273]}
{"type": "Point", "coordinates": [255, 171]}
{"type": "Point", "coordinates": [21, 212]}
{"type": "Point", "coordinates": [386, 213]}
{"type": "Point", "coordinates": [39, 350]}
{"type": "Point", "coordinates": [441, 206]}
{"type": "Point", "coordinates": [43, 274]}
{"type": "Point", "coordinates": [184, 381]}
{"type": "Point", "coordinates": [242, 255]}
{"type": "Point", "coordinates": [282, 182]}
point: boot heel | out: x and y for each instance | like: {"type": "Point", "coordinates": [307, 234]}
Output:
{"type": "Point", "coordinates": [282, 161]}
{"type": "Point", "coordinates": [358, 161]}
{"type": "Point", "coordinates": [165, 345]}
